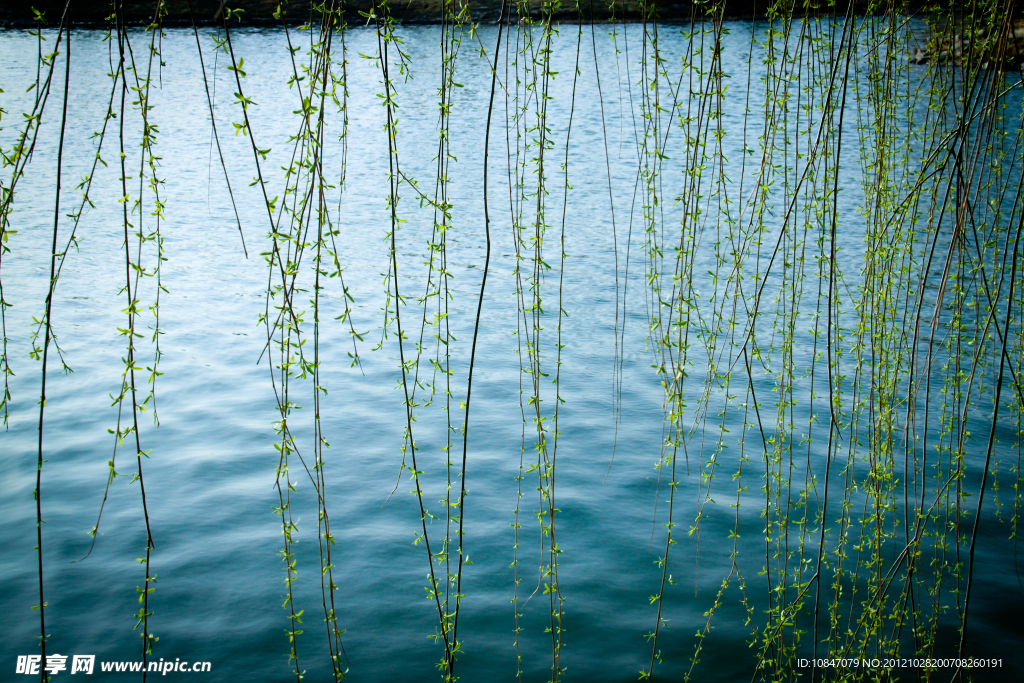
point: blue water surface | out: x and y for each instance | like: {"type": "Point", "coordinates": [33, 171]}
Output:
{"type": "Point", "coordinates": [210, 470]}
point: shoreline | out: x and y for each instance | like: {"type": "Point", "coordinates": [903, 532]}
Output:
{"type": "Point", "coordinates": [260, 13]}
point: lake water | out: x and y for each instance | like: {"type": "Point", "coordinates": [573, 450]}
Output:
{"type": "Point", "coordinates": [211, 467]}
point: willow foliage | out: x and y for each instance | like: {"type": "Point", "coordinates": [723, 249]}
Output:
{"type": "Point", "coordinates": [826, 246]}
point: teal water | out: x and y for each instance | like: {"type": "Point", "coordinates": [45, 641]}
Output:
{"type": "Point", "coordinates": [210, 472]}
